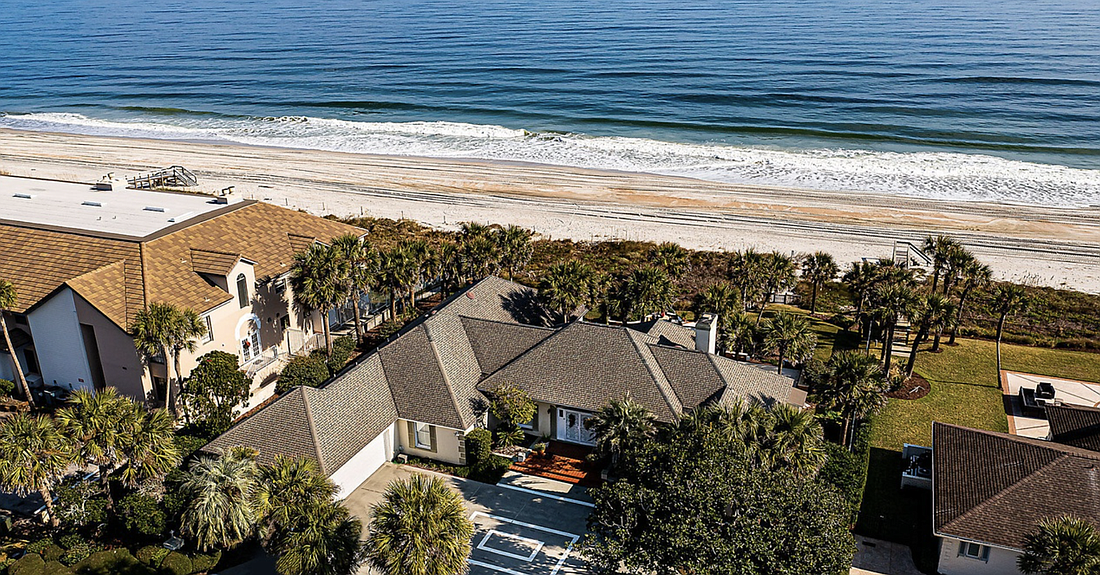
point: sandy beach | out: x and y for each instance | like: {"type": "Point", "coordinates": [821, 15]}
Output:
{"type": "Point", "coordinates": [1048, 246]}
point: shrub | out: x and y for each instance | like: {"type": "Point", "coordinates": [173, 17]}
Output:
{"type": "Point", "coordinates": [302, 370]}
{"type": "Point", "coordinates": [71, 540]}
{"type": "Point", "coordinates": [40, 545]}
{"type": "Point", "coordinates": [341, 353]}
{"type": "Point", "coordinates": [479, 446]}
{"type": "Point", "coordinates": [29, 564]}
{"type": "Point", "coordinates": [6, 387]}
{"type": "Point", "coordinates": [151, 555]}
{"type": "Point", "coordinates": [55, 568]}
{"type": "Point", "coordinates": [203, 562]}
{"type": "Point", "coordinates": [216, 385]}
{"type": "Point", "coordinates": [81, 503]}
{"type": "Point", "coordinates": [846, 471]}
{"type": "Point", "coordinates": [512, 406]}
{"type": "Point", "coordinates": [175, 498]}
{"type": "Point", "coordinates": [177, 564]}
{"type": "Point", "coordinates": [509, 437]}
{"type": "Point", "coordinates": [141, 515]}
{"type": "Point", "coordinates": [114, 562]}
{"type": "Point", "coordinates": [5, 564]}
{"type": "Point", "coordinates": [78, 553]}
{"type": "Point", "coordinates": [53, 553]}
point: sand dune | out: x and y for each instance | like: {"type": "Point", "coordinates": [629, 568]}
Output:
{"type": "Point", "coordinates": [1049, 246]}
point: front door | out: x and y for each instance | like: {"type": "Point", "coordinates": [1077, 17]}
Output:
{"type": "Point", "coordinates": [571, 427]}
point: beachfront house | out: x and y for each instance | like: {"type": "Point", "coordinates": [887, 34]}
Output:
{"type": "Point", "coordinates": [84, 261]}
{"type": "Point", "coordinates": [990, 490]}
{"type": "Point", "coordinates": [423, 391]}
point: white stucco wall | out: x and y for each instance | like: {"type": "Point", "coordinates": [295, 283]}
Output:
{"type": "Point", "coordinates": [1001, 561]}
{"type": "Point", "coordinates": [58, 342]}
{"type": "Point", "coordinates": [363, 464]}
{"type": "Point", "coordinates": [447, 444]}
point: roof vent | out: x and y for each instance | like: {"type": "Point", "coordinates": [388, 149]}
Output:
{"type": "Point", "coordinates": [92, 204]}
{"type": "Point", "coordinates": [154, 209]}
{"type": "Point", "coordinates": [22, 196]}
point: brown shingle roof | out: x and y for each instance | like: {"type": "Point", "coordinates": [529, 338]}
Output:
{"type": "Point", "coordinates": [995, 488]}
{"type": "Point", "coordinates": [119, 276]}
{"type": "Point", "coordinates": [1075, 425]}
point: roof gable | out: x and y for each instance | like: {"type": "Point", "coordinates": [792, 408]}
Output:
{"type": "Point", "coordinates": [1074, 425]}
{"type": "Point", "coordinates": [691, 373]}
{"type": "Point", "coordinates": [496, 343]}
{"type": "Point", "coordinates": [280, 428]}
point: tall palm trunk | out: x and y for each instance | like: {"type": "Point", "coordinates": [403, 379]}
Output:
{"type": "Point", "coordinates": [782, 352]}
{"type": "Point", "coordinates": [888, 349]}
{"type": "Point", "coordinates": [936, 340]}
{"type": "Point", "coordinates": [922, 334]}
{"type": "Point", "coordinates": [48, 498]}
{"type": "Point", "coordinates": [959, 315]}
{"type": "Point", "coordinates": [393, 303]}
{"type": "Point", "coordinates": [15, 362]}
{"type": "Point", "coordinates": [1000, 332]}
{"type": "Point", "coordinates": [328, 334]}
{"type": "Point", "coordinates": [105, 485]}
{"type": "Point", "coordinates": [813, 299]}
{"type": "Point", "coordinates": [169, 397]}
{"type": "Point", "coordinates": [179, 378]}
{"type": "Point", "coordinates": [358, 318]}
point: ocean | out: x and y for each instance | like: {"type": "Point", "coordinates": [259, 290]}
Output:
{"type": "Point", "coordinates": [966, 100]}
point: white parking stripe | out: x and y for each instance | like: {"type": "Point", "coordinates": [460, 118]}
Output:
{"type": "Point", "coordinates": [547, 495]}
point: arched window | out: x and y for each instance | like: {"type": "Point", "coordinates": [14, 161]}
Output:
{"type": "Point", "coordinates": [242, 290]}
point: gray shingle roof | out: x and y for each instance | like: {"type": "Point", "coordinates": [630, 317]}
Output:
{"type": "Point", "coordinates": [757, 382]}
{"type": "Point", "coordinates": [351, 411]}
{"type": "Point", "coordinates": [691, 373]}
{"type": "Point", "coordinates": [281, 428]}
{"type": "Point", "coordinates": [668, 333]}
{"type": "Point", "coordinates": [995, 488]}
{"type": "Point", "coordinates": [1075, 425]}
{"type": "Point", "coordinates": [496, 343]}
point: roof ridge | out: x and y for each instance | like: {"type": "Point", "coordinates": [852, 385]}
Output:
{"type": "Point", "coordinates": [219, 252]}
{"type": "Point", "coordinates": [443, 372]}
{"type": "Point", "coordinates": [667, 392]}
{"type": "Point", "coordinates": [313, 427]}
{"type": "Point", "coordinates": [507, 323]}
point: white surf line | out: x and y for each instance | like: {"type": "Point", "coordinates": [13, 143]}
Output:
{"type": "Point", "coordinates": [547, 495]}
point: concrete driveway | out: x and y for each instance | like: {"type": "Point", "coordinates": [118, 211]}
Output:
{"type": "Point", "coordinates": [517, 530]}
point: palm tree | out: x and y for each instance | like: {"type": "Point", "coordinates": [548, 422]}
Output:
{"type": "Point", "coordinates": [515, 247]}
{"type": "Point", "coordinates": [939, 249]}
{"type": "Point", "coordinates": [1062, 546]}
{"type": "Point", "coordinates": [746, 271]}
{"type": "Point", "coordinates": [221, 512]}
{"type": "Point", "coordinates": [778, 273]}
{"type": "Point", "coordinates": [741, 334]}
{"type": "Point", "coordinates": [450, 266]}
{"type": "Point", "coordinates": [818, 267]}
{"type": "Point", "coordinates": [8, 299]}
{"type": "Point", "coordinates": [324, 539]}
{"type": "Point", "coordinates": [165, 329]}
{"type": "Point", "coordinates": [895, 300]}
{"type": "Point", "coordinates": [147, 445]}
{"type": "Point", "coordinates": [96, 424]}
{"type": "Point", "coordinates": [794, 441]}
{"type": "Point", "coordinates": [790, 336]}
{"type": "Point", "coordinates": [317, 278]}
{"type": "Point", "coordinates": [861, 280]}
{"type": "Point", "coordinates": [621, 426]}
{"type": "Point", "coordinates": [397, 269]}
{"type": "Point", "coordinates": [647, 291]}
{"type": "Point", "coordinates": [285, 488]}
{"type": "Point", "coordinates": [566, 287]}
{"type": "Point", "coordinates": [672, 258]}
{"type": "Point", "coordinates": [975, 275]}
{"type": "Point", "coordinates": [33, 457]}
{"type": "Point", "coordinates": [958, 258]}
{"type": "Point", "coordinates": [852, 384]}
{"type": "Point", "coordinates": [358, 256]}
{"type": "Point", "coordinates": [419, 261]}
{"type": "Point", "coordinates": [722, 299]}
{"type": "Point", "coordinates": [1010, 300]}
{"type": "Point", "coordinates": [419, 528]}
{"type": "Point", "coordinates": [931, 313]}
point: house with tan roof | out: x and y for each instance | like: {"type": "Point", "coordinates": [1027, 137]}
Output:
{"type": "Point", "coordinates": [422, 392]}
{"type": "Point", "coordinates": [990, 490]}
{"type": "Point", "coordinates": [84, 261]}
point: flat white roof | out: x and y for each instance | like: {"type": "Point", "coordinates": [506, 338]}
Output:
{"type": "Point", "coordinates": [121, 211]}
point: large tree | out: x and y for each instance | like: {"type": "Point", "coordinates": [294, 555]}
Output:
{"type": "Point", "coordinates": [895, 300]}
{"type": "Point", "coordinates": [861, 280]}
{"type": "Point", "coordinates": [319, 278]}
{"type": "Point", "coordinates": [929, 314]}
{"type": "Point", "coordinates": [790, 336]}
{"type": "Point", "coordinates": [285, 489]}
{"type": "Point", "coordinates": [515, 248]}
{"type": "Point", "coordinates": [720, 298]}
{"type": "Point", "coordinates": [566, 287]}
{"type": "Point", "coordinates": [8, 299]}
{"type": "Point", "coordinates": [938, 248]}
{"type": "Point", "coordinates": [359, 257]}
{"type": "Point", "coordinates": [167, 329]}
{"type": "Point", "coordinates": [975, 275]}
{"type": "Point", "coordinates": [397, 271]}
{"type": "Point", "coordinates": [691, 503]}
{"type": "Point", "coordinates": [148, 447]}
{"type": "Point", "coordinates": [851, 384]}
{"type": "Point", "coordinates": [777, 272]}
{"type": "Point", "coordinates": [221, 513]}
{"type": "Point", "coordinates": [1062, 546]}
{"type": "Point", "coordinates": [646, 291]}
{"type": "Point", "coordinates": [33, 457]}
{"type": "Point", "coordinates": [98, 424]}
{"type": "Point", "coordinates": [1010, 299]}
{"type": "Point", "coordinates": [669, 256]}
{"type": "Point", "coordinates": [746, 273]}
{"type": "Point", "coordinates": [323, 539]}
{"type": "Point", "coordinates": [818, 268]}
{"type": "Point", "coordinates": [215, 387]}
{"type": "Point", "coordinates": [419, 528]}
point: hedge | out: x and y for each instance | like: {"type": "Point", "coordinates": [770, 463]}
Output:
{"type": "Point", "coordinates": [479, 446]}
{"type": "Point", "coordinates": [203, 562]}
{"type": "Point", "coordinates": [29, 564]}
{"type": "Point", "coordinates": [177, 564]}
{"type": "Point", "coordinates": [846, 471]}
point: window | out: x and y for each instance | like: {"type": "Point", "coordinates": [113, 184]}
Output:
{"type": "Point", "coordinates": [423, 436]}
{"type": "Point", "coordinates": [284, 322]}
{"type": "Point", "coordinates": [209, 337]}
{"type": "Point", "coordinates": [242, 290]}
{"type": "Point", "coordinates": [532, 425]}
{"type": "Point", "coordinates": [974, 551]}
{"type": "Point", "coordinates": [32, 360]}
{"type": "Point", "coordinates": [280, 286]}
{"type": "Point", "coordinates": [20, 318]}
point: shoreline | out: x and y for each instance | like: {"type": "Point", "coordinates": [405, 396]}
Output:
{"type": "Point", "coordinates": [1056, 246]}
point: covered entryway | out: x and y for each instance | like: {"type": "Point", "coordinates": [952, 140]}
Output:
{"type": "Point", "coordinates": [571, 426]}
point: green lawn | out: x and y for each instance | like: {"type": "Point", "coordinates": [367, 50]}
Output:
{"type": "Point", "coordinates": [964, 391]}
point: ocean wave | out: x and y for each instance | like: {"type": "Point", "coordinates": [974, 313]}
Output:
{"type": "Point", "coordinates": [934, 175]}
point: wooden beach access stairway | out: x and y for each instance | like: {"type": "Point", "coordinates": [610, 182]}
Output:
{"type": "Point", "coordinates": [173, 176]}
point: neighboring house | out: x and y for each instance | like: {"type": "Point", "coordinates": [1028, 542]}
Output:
{"type": "Point", "coordinates": [422, 392]}
{"type": "Point", "coordinates": [990, 490]}
{"type": "Point", "coordinates": [84, 262]}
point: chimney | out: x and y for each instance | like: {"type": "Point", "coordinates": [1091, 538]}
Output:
{"type": "Point", "coordinates": [706, 332]}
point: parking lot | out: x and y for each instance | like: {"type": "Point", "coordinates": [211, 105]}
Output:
{"type": "Point", "coordinates": [517, 531]}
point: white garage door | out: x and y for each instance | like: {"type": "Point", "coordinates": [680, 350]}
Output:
{"type": "Point", "coordinates": [364, 464]}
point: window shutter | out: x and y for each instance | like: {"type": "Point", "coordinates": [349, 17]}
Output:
{"type": "Point", "coordinates": [412, 434]}
{"type": "Point", "coordinates": [962, 549]}
{"type": "Point", "coordinates": [985, 554]}
{"type": "Point", "coordinates": [434, 448]}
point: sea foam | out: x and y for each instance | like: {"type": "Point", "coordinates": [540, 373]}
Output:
{"type": "Point", "coordinates": [934, 175]}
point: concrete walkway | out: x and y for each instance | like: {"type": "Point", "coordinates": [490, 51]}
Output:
{"type": "Point", "coordinates": [877, 557]}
